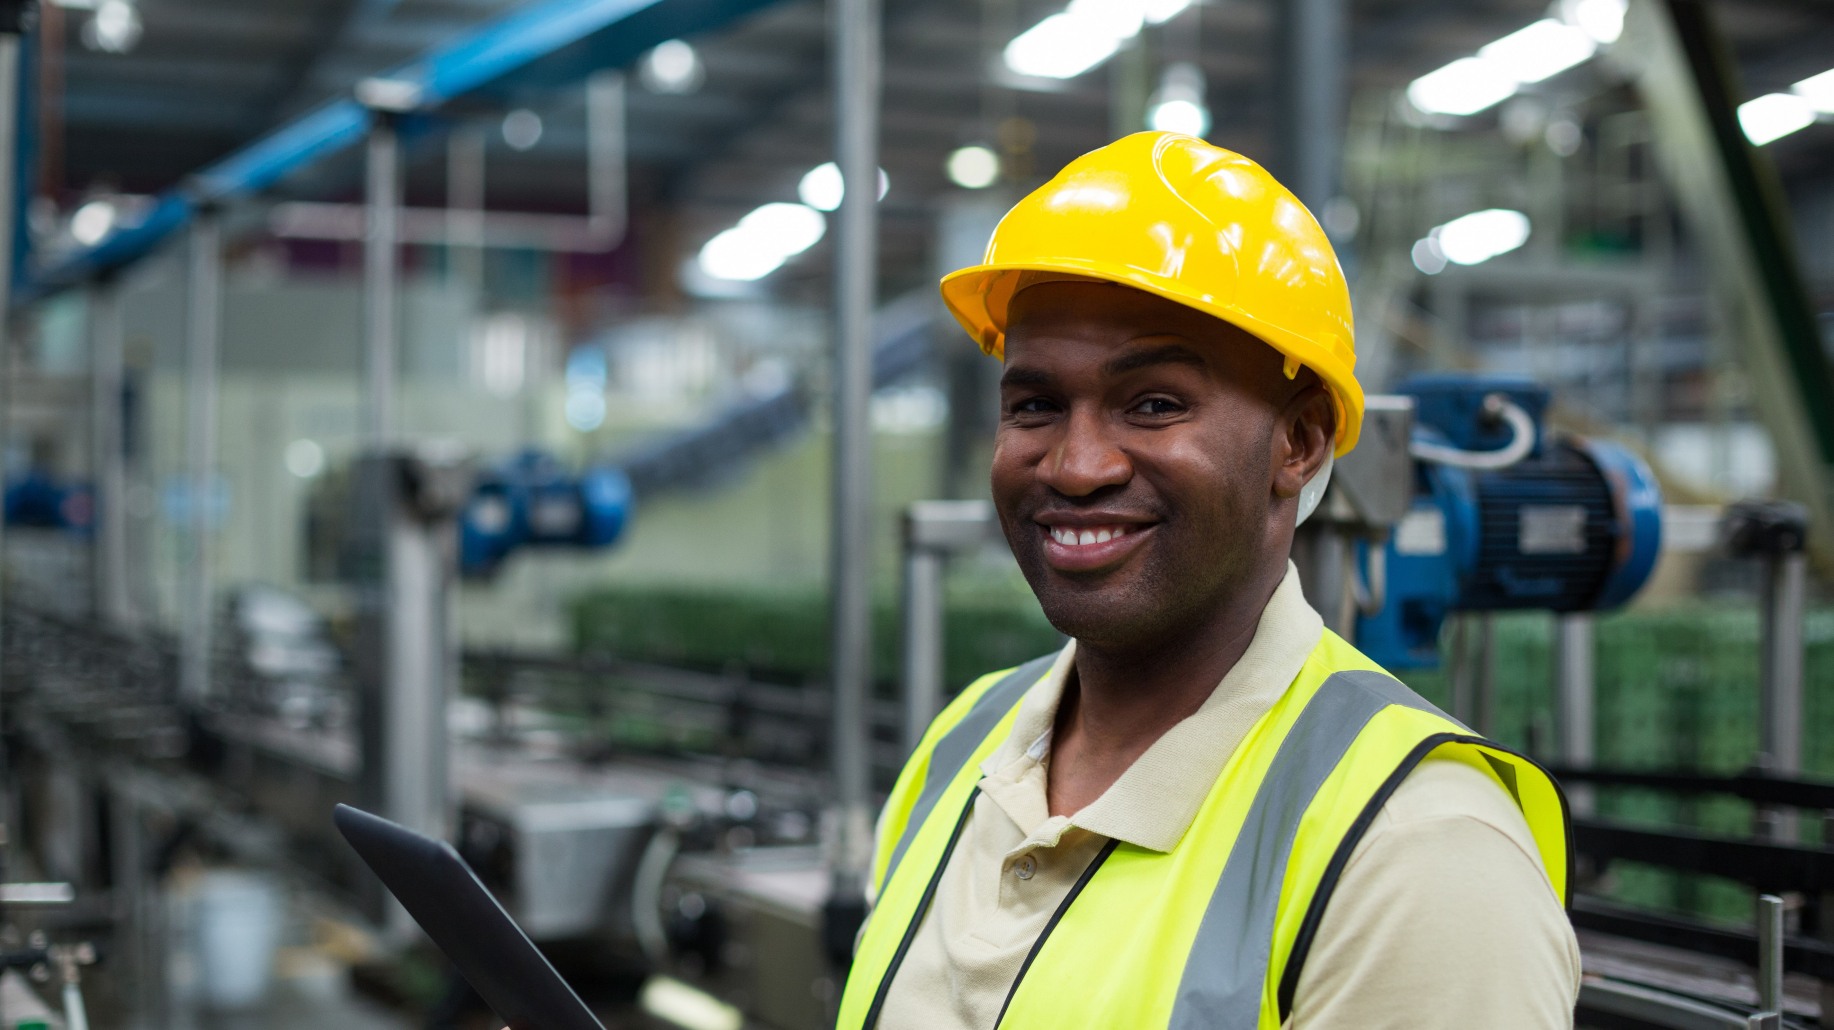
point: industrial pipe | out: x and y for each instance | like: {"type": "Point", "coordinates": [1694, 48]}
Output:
{"type": "Point", "coordinates": [856, 41]}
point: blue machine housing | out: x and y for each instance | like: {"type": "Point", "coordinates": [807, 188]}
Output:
{"type": "Point", "coordinates": [1574, 526]}
{"type": "Point", "coordinates": [531, 500]}
{"type": "Point", "coordinates": [42, 501]}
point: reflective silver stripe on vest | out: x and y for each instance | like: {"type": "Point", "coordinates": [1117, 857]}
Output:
{"type": "Point", "coordinates": [957, 746]}
{"type": "Point", "coordinates": [1226, 971]}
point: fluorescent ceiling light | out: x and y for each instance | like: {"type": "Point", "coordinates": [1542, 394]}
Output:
{"type": "Point", "coordinates": [1087, 33]}
{"type": "Point", "coordinates": [1546, 48]}
{"type": "Point", "coordinates": [1178, 104]}
{"type": "Point", "coordinates": [1603, 20]}
{"type": "Point", "coordinates": [671, 66]}
{"type": "Point", "coordinates": [1179, 116]}
{"type": "Point", "coordinates": [1774, 116]}
{"type": "Point", "coordinates": [92, 222]}
{"type": "Point", "coordinates": [522, 128]}
{"type": "Point", "coordinates": [1159, 12]}
{"type": "Point", "coordinates": [1481, 235]}
{"type": "Point", "coordinates": [1466, 86]}
{"type": "Point", "coordinates": [974, 167]}
{"type": "Point", "coordinates": [762, 242]}
{"type": "Point", "coordinates": [822, 189]}
{"type": "Point", "coordinates": [1818, 90]}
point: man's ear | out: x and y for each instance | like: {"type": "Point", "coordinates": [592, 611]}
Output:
{"type": "Point", "coordinates": [1303, 438]}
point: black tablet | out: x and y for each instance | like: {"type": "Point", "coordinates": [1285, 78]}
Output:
{"type": "Point", "coordinates": [443, 895]}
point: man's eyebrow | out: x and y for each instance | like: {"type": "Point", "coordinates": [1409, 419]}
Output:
{"type": "Point", "coordinates": [1023, 376]}
{"type": "Point", "coordinates": [1171, 354]}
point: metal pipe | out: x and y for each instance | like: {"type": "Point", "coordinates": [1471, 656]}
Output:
{"type": "Point", "coordinates": [465, 209]}
{"type": "Point", "coordinates": [607, 178]}
{"type": "Point", "coordinates": [1312, 92]}
{"type": "Point", "coordinates": [382, 196]}
{"type": "Point", "coordinates": [108, 463]}
{"type": "Point", "coordinates": [1573, 699]}
{"type": "Point", "coordinates": [1770, 964]}
{"type": "Point", "coordinates": [856, 42]}
{"type": "Point", "coordinates": [204, 317]}
{"type": "Point", "coordinates": [10, 30]}
{"type": "Point", "coordinates": [1780, 662]}
{"type": "Point", "coordinates": [923, 640]}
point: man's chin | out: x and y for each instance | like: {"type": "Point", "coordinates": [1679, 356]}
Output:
{"type": "Point", "coordinates": [1096, 607]}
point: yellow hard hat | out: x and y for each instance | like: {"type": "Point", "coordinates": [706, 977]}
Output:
{"type": "Point", "coordinates": [1196, 224]}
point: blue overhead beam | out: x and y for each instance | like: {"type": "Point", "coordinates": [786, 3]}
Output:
{"type": "Point", "coordinates": [542, 45]}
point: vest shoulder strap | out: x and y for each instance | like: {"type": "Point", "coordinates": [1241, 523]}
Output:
{"type": "Point", "coordinates": [958, 743]}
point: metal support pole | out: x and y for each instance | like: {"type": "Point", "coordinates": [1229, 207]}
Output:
{"type": "Point", "coordinates": [923, 640]}
{"type": "Point", "coordinates": [1775, 533]}
{"type": "Point", "coordinates": [108, 461]}
{"type": "Point", "coordinates": [1314, 56]}
{"type": "Point", "coordinates": [1780, 662]}
{"type": "Point", "coordinates": [204, 317]}
{"type": "Point", "coordinates": [607, 178]}
{"type": "Point", "coordinates": [1770, 965]}
{"type": "Point", "coordinates": [12, 16]}
{"type": "Point", "coordinates": [856, 43]}
{"type": "Point", "coordinates": [1574, 701]}
{"type": "Point", "coordinates": [932, 529]}
{"type": "Point", "coordinates": [381, 245]}
{"type": "Point", "coordinates": [465, 210]}
{"type": "Point", "coordinates": [1486, 675]}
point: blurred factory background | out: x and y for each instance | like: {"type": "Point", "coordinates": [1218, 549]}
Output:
{"type": "Point", "coordinates": [457, 407]}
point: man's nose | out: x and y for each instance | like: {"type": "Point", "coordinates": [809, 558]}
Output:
{"type": "Point", "coordinates": [1086, 458]}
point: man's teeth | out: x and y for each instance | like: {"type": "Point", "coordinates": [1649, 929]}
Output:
{"type": "Point", "coordinates": [1079, 538]}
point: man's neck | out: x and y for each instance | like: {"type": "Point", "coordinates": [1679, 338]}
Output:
{"type": "Point", "coordinates": [1118, 702]}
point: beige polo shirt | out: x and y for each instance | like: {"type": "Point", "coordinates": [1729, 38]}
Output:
{"type": "Point", "coordinates": [1443, 918]}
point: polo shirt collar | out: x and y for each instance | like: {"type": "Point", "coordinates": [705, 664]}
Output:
{"type": "Point", "coordinates": [1154, 801]}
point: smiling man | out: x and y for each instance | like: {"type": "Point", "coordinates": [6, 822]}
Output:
{"type": "Point", "coordinates": [1207, 811]}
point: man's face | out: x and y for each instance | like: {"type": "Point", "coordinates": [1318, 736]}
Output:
{"type": "Point", "coordinates": [1147, 459]}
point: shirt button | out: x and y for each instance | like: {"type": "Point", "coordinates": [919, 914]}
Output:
{"type": "Point", "coordinates": [1026, 867]}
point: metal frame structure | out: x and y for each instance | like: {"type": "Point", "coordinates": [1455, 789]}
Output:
{"type": "Point", "coordinates": [536, 47]}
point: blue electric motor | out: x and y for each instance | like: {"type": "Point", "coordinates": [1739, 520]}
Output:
{"type": "Point", "coordinates": [531, 500]}
{"type": "Point", "coordinates": [1573, 525]}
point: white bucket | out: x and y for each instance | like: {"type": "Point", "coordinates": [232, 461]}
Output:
{"type": "Point", "coordinates": [237, 923]}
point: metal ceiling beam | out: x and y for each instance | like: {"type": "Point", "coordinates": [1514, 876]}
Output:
{"type": "Point", "coordinates": [1733, 199]}
{"type": "Point", "coordinates": [543, 44]}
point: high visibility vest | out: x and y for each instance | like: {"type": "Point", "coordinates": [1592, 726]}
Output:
{"type": "Point", "coordinates": [1212, 934]}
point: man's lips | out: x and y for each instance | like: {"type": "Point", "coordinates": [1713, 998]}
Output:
{"type": "Point", "coordinates": [1084, 545]}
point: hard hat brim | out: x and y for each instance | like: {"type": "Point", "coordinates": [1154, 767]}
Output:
{"type": "Point", "coordinates": [978, 297]}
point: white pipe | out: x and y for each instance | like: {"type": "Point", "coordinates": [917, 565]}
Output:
{"type": "Point", "coordinates": [1517, 448]}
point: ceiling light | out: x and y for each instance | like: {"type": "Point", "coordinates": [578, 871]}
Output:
{"type": "Point", "coordinates": [1481, 235]}
{"type": "Point", "coordinates": [115, 28]}
{"type": "Point", "coordinates": [1603, 20]}
{"type": "Point", "coordinates": [1466, 86]}
{"type": "Point", "coordinates": [671, 66]}
{"type": "Point", "coordinates": [92, 222]}
{"type": "Point", "coordinates": [1428, 257]}
{"type": "Point", "coordinates": [1545, 48]}
{"type": "Point", "coordinates": [822, 189]}
{"type": "Point", "coordinates": [1066, 45]}
{"type": "Point", "coordinates": [1818, 90]}
{"type": "Point", "coordinates": [762, 242]}
{"type": "Point", "coordinates": [305, 458]}
{"type": "Point", "coordinates": [1774, 116]}
{"type": "Point", "coordinates": [1178, 104]}
{"type": "Point", "coordinates": [974, 167]}
{"type": "Point", "coordinates": [1160, 11]}
{"type": "Point", "coordinates": [522, 128]}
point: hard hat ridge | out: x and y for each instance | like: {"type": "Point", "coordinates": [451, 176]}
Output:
{"type": "Point", "coordinates": [1193, 223]}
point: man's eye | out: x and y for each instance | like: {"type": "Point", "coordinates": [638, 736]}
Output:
{"type": "Point", "coordinates": [1158, 406]}
{"type": "Point", "coordinates": [1034, 406]}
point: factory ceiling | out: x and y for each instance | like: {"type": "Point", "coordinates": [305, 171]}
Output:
{"type": "Point", "coordinates": [208, 75]}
